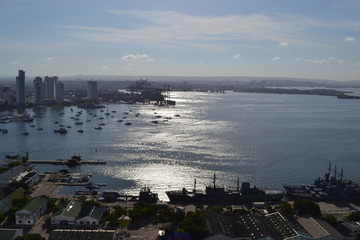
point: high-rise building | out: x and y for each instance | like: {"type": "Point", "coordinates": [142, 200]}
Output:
{"type": "Point", "coordinates": [59, 92]}
{"type": "Point", "coordinates": [38, 91]}
{"type": "Point", "coordinates": [20, 88]}
{"type": "Point", "coordinates": [92, 90]}
{"type": "Point", "coordinates": [51, 87]}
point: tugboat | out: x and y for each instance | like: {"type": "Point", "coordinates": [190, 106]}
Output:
{"type": "Point", "coordinates": [329, 188]}
{"type": "Point", "coordinates": [220, 195]}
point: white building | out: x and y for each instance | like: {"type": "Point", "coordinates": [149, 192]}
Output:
{"type": "Point", "coordinates": [20, 88]}
{"type": "Point", "coordinates": [92, 90]}
{"type": "Point", "coordinates": [31, 213]}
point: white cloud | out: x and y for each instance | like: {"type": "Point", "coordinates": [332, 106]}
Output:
{"type": "Point", "coordinates": [350, 39]}
{"type": "Point", "coordinates": [104, 67]}
{"type": "Point", "coordinates": [202, 64]}
{"type": "Point", "coordinates": [276, 58]}
{"type": "Point", "coordinates": [236, 56]}
{"type": "Point", "coordinates": [174, 28]}
{"type": "Point", "coordinates": [14, 63]}
{"type": "Point", "coordinates": [136, 57]}
{"type": "Point", "coordinates": [49, 59]}
{"type": "Point", "coordinates": [283, 44]}
{"type": "Point", "coordinates": [298, 59]}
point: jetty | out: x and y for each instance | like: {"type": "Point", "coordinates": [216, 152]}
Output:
{"type": "Point", "coordinates": [73, 161]}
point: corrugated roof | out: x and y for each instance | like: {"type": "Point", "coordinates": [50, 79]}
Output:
{"type": "Point", "coordinates": [72, 209]}
{"type": "Point", "coordinates": [94, 212]}
{"type": "Point", "coordinates": [34, 205]}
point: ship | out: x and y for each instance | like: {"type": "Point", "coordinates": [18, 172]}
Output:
{"type": "Point", "coordinates": [219, 195]}
{"type": "Point", "coordinates": [332, 187]}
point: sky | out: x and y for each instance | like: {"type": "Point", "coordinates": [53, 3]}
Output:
{"type": "Point", "coordinates": [317, 39]}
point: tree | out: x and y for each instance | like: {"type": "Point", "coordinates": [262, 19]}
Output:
{"type": "Point", "coordinates": [194, 224]}
{"type": "Point", "coordinates": [286, 209]}
{"type": "Point", "coordinates": [355, 216]}
{"type": "Point", "coordinates": [329, 218]}
{"type": "Point", "coordinates": [306, 206]}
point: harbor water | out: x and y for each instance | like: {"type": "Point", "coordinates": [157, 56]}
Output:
{"type": "Point", "coordinates": [270, 140]}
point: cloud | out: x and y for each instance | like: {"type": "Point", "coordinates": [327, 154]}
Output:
{"type": "Point", "coordinates": [104, 67]}
{"type": "Point", "coordinates": [236, 56]}
{"type": "Point", "coordinates": [175, 28]}
{"type": "Point", "coordinates": [49, 59]}
{"type": "Point", "coordinates": [328, 60]}
{"type": "Point", "coordinates": [350, 39]}
{"type": "Point", "coordinates": [283, 44]}
{"type": "Point", "coordinates": [276, 59]}
{"type": "Point", "coordinates": [14, 63]}
{"type": "Point", "coordinates": [137, 57]}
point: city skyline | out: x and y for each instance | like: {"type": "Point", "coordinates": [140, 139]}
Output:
{"type": "Point", "coordinates": [317, 40]}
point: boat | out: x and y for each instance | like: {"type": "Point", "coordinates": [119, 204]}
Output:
{"type": "Point", "coordinates": [98, 128]}
{"type": "Point", "coordinates": [332, 187]}
{"type": "Point", "coordinates": [39, 129]}
{"type": "Point", "coordinates": [25, 133]}
{"type": "Point", "coordinates": [219, 195]}
{"type": "Point", "coordinates": [60, 130]}
{"type": "Point", "coordinates": [119, 120]}
{"type": "Point", "coordinates": [147, 196]}
{"type": "Point", "coordinates": [80, 131]}
{"type": "Point", "coordinates": [128, 123]}
{"type": "Point", "coordinates": [110, 196]}
{"type": "Point", "coordinates": [4, 130]}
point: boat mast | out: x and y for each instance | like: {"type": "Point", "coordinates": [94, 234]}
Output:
{"type": "Point", "coordinates": [238, 185]}
{"type": "Point", "coordinates": [335, 172]}
{"type": "Point", "coordinates": [195, 185]}
{"type": "Point", "coordinates": [341, 174]}
{"type": "Point", "coordinates": [329, 168]}
{"type": "Point", "coordinates": [214, 180]}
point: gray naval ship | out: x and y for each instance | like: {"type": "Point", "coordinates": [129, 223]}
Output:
{"type": "Point", "coordinates": [219, 195]}
{"type": "Point", "coordinates": [329, 188]}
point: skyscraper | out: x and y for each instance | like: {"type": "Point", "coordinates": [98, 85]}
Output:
{"type": "Point", "coordinates": [92, 90]}
{"type": "Point", "coordinates": [20, 88]}
{"type": "Point", "coordinates": [59, 92]}
{"type": "Point", "coordinates": [38, 93]}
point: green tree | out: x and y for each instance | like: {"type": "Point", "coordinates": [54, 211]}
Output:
{"type": "Point", "coordinates": [306, 206]}
{"type": "Point", "coordinates": [90, 203]}
{"type": "Point", "coordinates": [194, 224]}
{"type": "Point", "coordinates": [329, 218]}
{"type": "Point", "coordinates": [286, 209]}
{"type": "Point", "coordinates": [355, 216]}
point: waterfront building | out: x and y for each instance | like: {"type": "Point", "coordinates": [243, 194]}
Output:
{"type": "Point", "coordinates": [90, 216]}
{"type": "Point", "coordinates": [67, 214]}
{"type": "Point", "coordinates": [38, 91]}
{"type": "Point", "coordinates": [32, 211]}
{"type": "Point", "coordinates": [20, 88]}
{"type": "Point", "coordinates": [92, 90]}
{"type": "Point", "coordinates": [51, 83]}
{"type": "Point", "coordinates": [59, 92]}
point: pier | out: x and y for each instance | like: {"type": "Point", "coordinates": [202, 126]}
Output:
{"type": "Point", "coordinates": [65, 162]}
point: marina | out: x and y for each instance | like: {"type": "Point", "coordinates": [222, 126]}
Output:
{"type": "Point", "coordinates": [234, 135]}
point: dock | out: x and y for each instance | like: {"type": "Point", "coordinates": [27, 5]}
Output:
{"type": "Point", "coordinates": [65, 162]}
{"type": "Point", "coordinates": [77, 184]}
